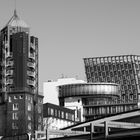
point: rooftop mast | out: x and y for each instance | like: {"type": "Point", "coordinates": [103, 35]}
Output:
{"type": "Point", "coordinates": [15, 10]}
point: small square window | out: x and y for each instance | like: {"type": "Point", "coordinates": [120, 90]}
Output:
{"type": "Point", "coordinates": [15, 97]}
{"type": "Point", "coordinates": [21, 97]}
{"type": "Point", "coordinates": [14, 125]}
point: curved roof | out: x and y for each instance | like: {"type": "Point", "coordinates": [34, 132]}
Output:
{"type": "Point", "coordinates": [15, 21]}
{"type": "Point", "coordinates": [89, 89]}
{"type": "Point", "coordinates": [90, 83]}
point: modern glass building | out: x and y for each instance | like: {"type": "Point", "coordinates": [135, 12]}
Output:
{"type": "Point", "coordinates": [123, 70]}
{"type": "Point", "coordinates": [92, 100]}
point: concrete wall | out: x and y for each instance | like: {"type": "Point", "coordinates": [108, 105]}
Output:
{"type": "Point", "coordinates": [2, 119]}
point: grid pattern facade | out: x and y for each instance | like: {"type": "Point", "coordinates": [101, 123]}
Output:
{"type": "Point", "coordinates": [124, 70]}
{"type": "Point", "coordinates": [102, 106]}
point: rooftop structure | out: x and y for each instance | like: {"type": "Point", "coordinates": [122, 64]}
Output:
{"type": "Point", "coordinates": [15, 21]}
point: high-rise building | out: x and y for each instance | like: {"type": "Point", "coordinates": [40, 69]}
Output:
{"type": "Point", "coordinates": [21, 103]}
{"type": "Point", "coordinates": [123, 69]}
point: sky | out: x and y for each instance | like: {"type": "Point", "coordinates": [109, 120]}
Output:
{"type": "Point", "coordinates": [70, 30]}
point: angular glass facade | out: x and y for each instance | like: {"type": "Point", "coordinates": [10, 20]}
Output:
{"type": "Point", "coordinates": [124, 70]}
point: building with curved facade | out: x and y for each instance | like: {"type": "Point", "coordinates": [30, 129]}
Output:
{"type": "Point", "coordinates": [123, 70]}
{"type": "Point", "coordinates": [92, 100]}
{"type": "Point", "coordinates": [50, 91]}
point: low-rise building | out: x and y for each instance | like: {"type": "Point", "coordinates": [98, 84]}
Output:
{"type": "Point", "coordinates": [92, 100]}
{"type": "Point", "coordinates": [56, 117]}
{"type": "Point", "coordinates": [50, 91]}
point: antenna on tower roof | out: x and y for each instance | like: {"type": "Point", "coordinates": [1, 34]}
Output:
{"type": "Point", "coordinates": [15, 10]}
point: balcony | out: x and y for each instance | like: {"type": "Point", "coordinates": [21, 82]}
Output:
{"type": "Point", "coordinates": [3, 72]}
{"type": "Point", "coordinates": [33, 45]}
{"type": "Point", "coordinates": [32, 55]}
{"type": "Point", "coordinates": [9, 81]}
{"type": "Point", "coordinates": [9, 72]}
{"type": "Point", "coordinates": [30, 73]}
{"type": "Point", "coordinates": [30, 82]}
{"type": "Point", "coordinates": [31, 69]}
{"type": "Point", "coordinates": [8, 55]}
{"type": "Point", "coordinates": [30, 64]}
{"type": "Point", "coordinates": [9, 63]}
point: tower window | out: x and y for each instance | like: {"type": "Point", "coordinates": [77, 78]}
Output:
{"type": "Point", "coordinates": [39, 110]}
{"type": "Point", "coordinates": [15, 97]}
{"type": "Point", "coordinates": [15, 106]}
{"type": "Point", "coordinates": [31, 100]}
{"type": "Point", "coordinates": [10, 100]}
{"type": "Point", "coordinates": [39, 119]}
{"type": "Point", "coordinates": [21, 97]}
{"type": "Point", "coordinates": [29, 107]}
{"type": "Point", "coordinates": [14, 125]}
{"type": "Point", "coordinates": [39, 127]}
{"type": "Point", "coordinates": [15, 116]}
{"type": "Point", "coordinates": [29, 126]}
{"type": "Point", "coordinates": [29, 117]}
